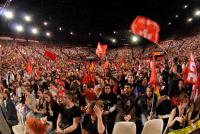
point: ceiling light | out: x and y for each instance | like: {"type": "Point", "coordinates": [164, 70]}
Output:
{"type": "Point", "coordinates": [185, 6]}
{"type": "Point", "coordinates": [27, 18]}
{"type": "Point", "coordinates": [45, 23]}
{"type": "Point", "coordinates": [48, 34]}
{"type": "Point", "coordinates": [189, 19]}
{"type": "Point", "coordinates": [9, 14]}
{"type": "Point", "coordinates": [197, 13]}
{"type": "Point", "coordinates": [34, 31]}
{"type": "Point", "coordinates": [134, 38]}
{"type": "Point", "coordinates": [19, 28]}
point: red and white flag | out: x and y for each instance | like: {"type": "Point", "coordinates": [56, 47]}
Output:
{"type": "Point", "coordinates": [101, 50]}
{"type": "Point", "coordinates": [146, 28]}
{"type": "Point", "coordinates": [152, 80]}
{"type": "Point", "coordinates": [191, 71]}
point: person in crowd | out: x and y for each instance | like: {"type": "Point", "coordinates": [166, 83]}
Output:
{"type": "Point", "coordinates": [126, 106]}
{"type": "Point", "coordinates": [9, 109]}
{"type": "Point", "coordinates": [40, 107]}
{"type": "Point", "coordinates": [147, 104]}
{"type": "Point", "coordinates": [69, 116]}
{"type": "Point", "coordinates": [109, 100]}
{"type": "Point", "coordinates": [34, 126]}
{"type": "Point", "coordinates": [177, 118]}
{"type": "Point", "coordinates": [51, 111]}
{"type": "Point", "coordinates": [180, 89]}
{"type": "Point", "coordinates": [194, 112]}
{"type": "Point", "coordinates": [94, 121]}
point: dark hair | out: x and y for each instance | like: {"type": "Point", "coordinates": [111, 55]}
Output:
{"type": "Point", "coordinates": [7, 92]}
{"type": "Point", "coordinates": [49, 94]}
{"type": "Point", "coordinates": [128, 84]}
{"type": "Point", "coordinates": [151, 88]}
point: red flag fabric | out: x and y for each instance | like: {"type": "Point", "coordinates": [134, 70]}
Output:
{"type": "Point", "coordinates": [101, 50]}
{"type": "Point", "coordinates": [146, 28]}
{"type": "Point", "coordinates": [152, 80]}
{"type": "Point", "coordinates": [84, 80]}
{"type": "Point", "coordinates": [28, 67]}
{"type": "Point", "coordinates": [191, 71]}
{"type": "Point", "coordinates": [37, 71]}
{"type": "Point", "coordinates": [115, 88]}
{"type": "Point", "coordinates": [50, 54]}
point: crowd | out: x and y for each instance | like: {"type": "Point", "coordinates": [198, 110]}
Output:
{"type": "Point", "coordinates": [75, 94]}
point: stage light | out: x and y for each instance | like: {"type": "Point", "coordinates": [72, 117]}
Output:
{"type": "Point", "coordinates": [177, 16]}
{"type": "Point", "coordinates": [71, 33]}
{"type": "Point", "coordinates": [60, 28]}
{"type": "Point", "coordinates": [100, 34]}
{"type": "Point", "coordinates": [34, 30]}
{"type": "Point", "coordinates": [9, 14]}
{"type": "Point", "coordinates": [169, 23]}
{"type": "Point", "coordinates": [114, 32]}
{"type": "Point", "coordinates": [189, 19]}
{"type": "Point", "coordinates": [45, 23]}
{"type": "Point", "coordinates": [89, 33]}
{"type": "Point", "coordinates": [114, 40]}
{"type": "Point", "coordinates": [27, 18]}
{"type": "Point", "coordinates": [134, 38]}
{"type": "Point", "coordinates": [185, 6]}
{"type": "Point", "coordinates": [19, 28]}
{"type": "Point", "coordinates": [197, 13]}
{"type": "Point", "coordinates": [48, 34]}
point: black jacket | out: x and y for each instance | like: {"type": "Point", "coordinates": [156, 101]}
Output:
{"type": "Point", "coordinates": [10, 112]}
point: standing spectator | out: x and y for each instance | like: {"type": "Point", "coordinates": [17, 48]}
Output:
{"type": "Point", "coordinates": [126, 106]}
{"type": "Point", "coordinates": [109, 100]}
{"type": "Point", "coordinates": [69, 117]}
{"type": "Point", "coordinates": [94, 121]}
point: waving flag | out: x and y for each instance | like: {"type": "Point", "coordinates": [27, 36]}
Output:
{"type": "Point", "coordinates": [28, 67]}
{"type": "Point", "coordinates": [50, 55]}
{"type": "Point", "coordinates": [191, 71]}
{"type": "Point", "coordinates": [152, 80]}
{"type": "Point", "coordinates": [146, 28]}
{"type": "Point", "coordinates": [101, 50]}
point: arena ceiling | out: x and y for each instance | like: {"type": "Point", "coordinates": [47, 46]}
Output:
{"type": "Point", "coordinates": [90, 21]}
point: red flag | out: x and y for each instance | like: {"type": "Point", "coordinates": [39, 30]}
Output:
{"type": "Point", "coordinates": [152, 80]}
{"type": "Point", "coordinates": [101, 50]}
{"type": "Point", "coordinates": [50, 54]}
{"type": "Point", "coordinates": [106, 64]}
{"type": "Point", "coordinates": [84, 80]}
{"type": "Point", "coordinates": [191, 71]}
{"type": "Point", "coordinates": [37, 71]}
{"type": "Point", "coordinates": [146, 28]}
{"type": "Point", "coordinates": [28, 67]}
{"type": "Point", "coordinates": [115, 88]}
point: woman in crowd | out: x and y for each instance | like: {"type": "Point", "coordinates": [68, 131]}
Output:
{"type": "Point", "coordinates": [177, 116]}
{"type": "Point", "coordinates": [93, 121]}
{"type": "Point", "coordinates": [110, 101]}
{"type": "Point", "coordinates": [194, 112]}
{"type": "Point", "coordinates": [52, 110]}
{"type": "Point", "coordinates": [40, 109]}
{"type": "Point", "coordinates": [147, 105]}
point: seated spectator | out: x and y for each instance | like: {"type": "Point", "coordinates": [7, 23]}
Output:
{"type": "Point", "coordinates": [194, 112]}
{"type": "Point", "coordinates": [9, 109]}
{"type": "Point", "coordinates": [147, 105]}
{"type": "Point", "coordinates": [69, 116]}
{"type": "Point", "coordinates": [94, 121]}
{"type": "Point", "coordinates": [177, 116]}
{"type": "Point", "coordinates": [40, 107]}
{"type": "Point", "coordinates": [109, 100]}
{"type": "Point", "coordinates": [126, 106]}
{"type": "Point", "coordinates": [51, 110]}
{"type": "Point", "coordinates": [34, 126]}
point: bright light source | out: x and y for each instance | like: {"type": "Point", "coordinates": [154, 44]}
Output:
{"type": "Point", "coordinates": [134, 38]}
{"type": "Point", "coordinates": [177, 16]}
{"type": "Point", "coordinates": [89, 33]}
{"type": "Point", "coordinates": [189, 19]}
{"type": "Point", "coordinates": [100, 34]}
{"type": "Point", "coordinates": [169, 23]}
{"type": "Point", "coordinates": [197, 13]}
{"type": "Point", "coordinates": [19, 28]}
{"type": "Point", "coordinates": [27, 18]}
{"type": "Point", "coordinates": [71, 33]}
{"type": "Point", "coordinates": [34, 31]}
{"type": "Point", "coordinates": [48, 34]}
{"type": "Point", "coordinates": [45, 23]}
{"type": "Point", "coordinates": [60, 28]}
{"type": "Point", "coordinates": [9, 14]}
{"type": "Point", "coordinates": [113, 40]}
{"type": "Point", "coordinates": [185, 6]}
{"type": "Point", "coordinates": [114, 32]}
